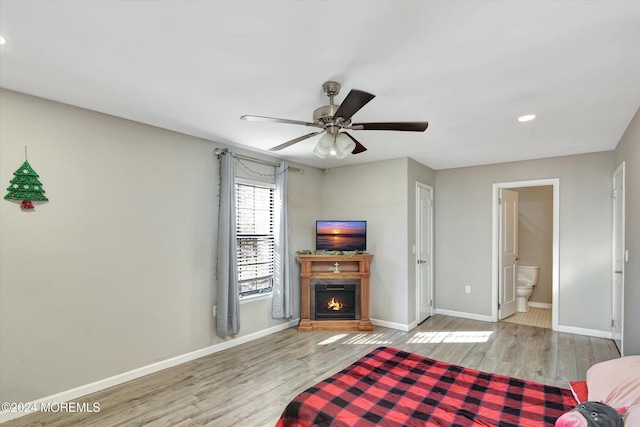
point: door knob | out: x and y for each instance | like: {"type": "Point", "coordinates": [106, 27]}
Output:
{"type": "Point", "coordinates": [421, 261]}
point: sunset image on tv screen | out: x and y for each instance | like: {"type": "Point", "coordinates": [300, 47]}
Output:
{"type": "Point", "coordinates": [341, 235]}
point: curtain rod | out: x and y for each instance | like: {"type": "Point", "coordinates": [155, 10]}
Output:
{"type": "Point", "coordinates": [220, 151]}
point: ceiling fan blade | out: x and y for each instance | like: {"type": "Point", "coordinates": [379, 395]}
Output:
{"type": "Point", "coordinates": [294, 141]}
{"type": "Point", "coordinates": [355, 100]}
{"type": "Point", "coordinates": [359, 147]}
{"type": "Point", "coordinates": [403, 126]}
{"type": "Point", "coordinates": [276, 120]}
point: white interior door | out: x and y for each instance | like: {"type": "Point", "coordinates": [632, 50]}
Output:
{"type": "Point", "coordinates": [617, 296]}
{"type": "Point", "coordinates": [424, 251]}
{"type": "Point", "coordinates": [508, 253]}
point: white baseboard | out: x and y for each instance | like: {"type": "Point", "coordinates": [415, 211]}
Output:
{"type": "Point", "coordinates": [570, 329]}
{"type": "Point", "coordinates": [464, 315]}
{"type": "Point", "coordinates": [540, 304]}
{"type": "Point", "coordinates": [103, 384]}
{"type": "Point", "coordinates": [390, 325]}
{"type": "Point", "coordinates": [582, 331]}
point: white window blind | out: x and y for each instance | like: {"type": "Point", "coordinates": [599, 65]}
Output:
{"type": "Point", "coordinates": [255, 240]}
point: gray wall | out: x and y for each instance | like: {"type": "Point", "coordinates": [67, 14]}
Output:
{"type": "Point", "coordinates": [628, 150]}
{"type": "Point", "coordinates": [371, 191]}
{"type": "Point", "coordinates": [464, 236]}
{"type": "Point", "coordinates": [117, 270]}
{"type": "Point", "coordinates": [535, 236]}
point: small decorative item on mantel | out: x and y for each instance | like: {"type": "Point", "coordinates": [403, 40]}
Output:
{"type": "Point", "coordinates": [25, 186]}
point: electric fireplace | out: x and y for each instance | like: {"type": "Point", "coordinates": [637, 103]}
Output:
{"type": "Point", "coordinates": [334, 292]}
{"type": "Point", "coordinates": [335, 299]}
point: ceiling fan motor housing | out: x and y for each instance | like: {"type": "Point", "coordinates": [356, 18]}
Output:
{"type": "Point", "coordinates": [324, 115]}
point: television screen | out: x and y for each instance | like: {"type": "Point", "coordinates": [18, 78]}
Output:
{"type": "Point", "coordinates": [341, 235]}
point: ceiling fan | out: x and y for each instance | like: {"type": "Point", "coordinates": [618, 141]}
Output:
{"type": "Point", "coordinates": [334, 119]}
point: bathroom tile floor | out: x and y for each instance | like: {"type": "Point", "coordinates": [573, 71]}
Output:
{"type": "Point", "coordinates": [540, 317]}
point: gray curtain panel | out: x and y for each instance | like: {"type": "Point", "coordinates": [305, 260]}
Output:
{"type": "Point", "coordinates": [228, 300]}
{"type": "Point", "coordinates": [282, 293]}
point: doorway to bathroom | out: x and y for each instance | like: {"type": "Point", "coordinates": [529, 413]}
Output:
{"type": "Point", "coordinates": [526, 233]}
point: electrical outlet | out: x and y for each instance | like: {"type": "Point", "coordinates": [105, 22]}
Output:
{"type": "Point", "coordinates": [467, 289]}
{"type": "Point", "coordinates": [215, 310]}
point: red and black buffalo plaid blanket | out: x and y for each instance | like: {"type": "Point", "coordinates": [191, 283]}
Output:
{"type": "Point", "coordinates": [390, 387]}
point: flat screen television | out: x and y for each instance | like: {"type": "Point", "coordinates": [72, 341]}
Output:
{"type": "Point", "coordinates": [333, 235]}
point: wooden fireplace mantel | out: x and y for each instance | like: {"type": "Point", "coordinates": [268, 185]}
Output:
{"type": "Point", "coordinates": [315, 266]}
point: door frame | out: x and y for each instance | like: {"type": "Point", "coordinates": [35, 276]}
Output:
{"type": "Point", "coordinates": [495, 230]}
{"type": "Point", "coordinates": [621, 171]}
{"type": "Point", "coordinates": [417, 267]}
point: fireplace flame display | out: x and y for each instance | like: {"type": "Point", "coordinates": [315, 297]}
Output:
{"type": "Point", "coordinates": [335, 300]}
{"type": "Point", "coordinates": [335, 304]}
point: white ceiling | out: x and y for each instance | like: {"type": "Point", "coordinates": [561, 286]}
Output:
{"type": "Point", "coordinates": [469, 68]}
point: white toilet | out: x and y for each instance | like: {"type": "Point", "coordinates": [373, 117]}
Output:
{"type": "Point", "coordinates": [526, 279]}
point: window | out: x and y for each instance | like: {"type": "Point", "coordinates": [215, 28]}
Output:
{"type": "Point", "coordinates": [255, 240]}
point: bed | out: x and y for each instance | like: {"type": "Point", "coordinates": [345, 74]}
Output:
{"type": "Point", "coordinates": [391, 387]}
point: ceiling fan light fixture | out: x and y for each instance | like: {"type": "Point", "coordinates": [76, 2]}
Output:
{"type": "Point", "coordinates": [324, 146]}
{"type": "Point", "coordinates": [343, 146]}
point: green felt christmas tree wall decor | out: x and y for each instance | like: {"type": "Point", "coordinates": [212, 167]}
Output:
{"type": "Point", "coordinates": [26, 186]}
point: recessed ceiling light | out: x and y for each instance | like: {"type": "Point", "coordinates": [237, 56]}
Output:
{"type": "Point", "coordinates": [2, 40]}
{"type": "Point", "coordinates": [526, 118]}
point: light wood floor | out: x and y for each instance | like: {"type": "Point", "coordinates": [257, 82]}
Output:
{"type": "Point", "coordinates": [249, 385]}
{"type": "Point", "coordinates": [540, 317]}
